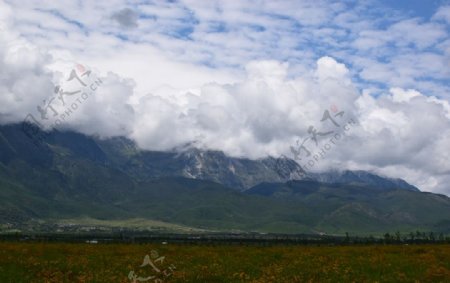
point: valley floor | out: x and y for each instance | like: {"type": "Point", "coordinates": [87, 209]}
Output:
{"type": "Point", "coordinates": [166, 262]}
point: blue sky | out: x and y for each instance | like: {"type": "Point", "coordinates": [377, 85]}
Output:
{"type": "Point", "coordinates": [372, 37]}
{"type": "Point", "coordinates": [419, 8]}
{"type": "Point", "coordinates": [245, 77]}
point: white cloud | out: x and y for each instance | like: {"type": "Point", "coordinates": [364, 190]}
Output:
{"type": "Point", "coordinates": [443, 13]}
{"type": "Point", "coordinates": [401, 95]}
{"type": "Point", "coordinates": [245, 78]}
{"type": "Point", "coordinates": [229, 34]}
{"type": "Point", "coordinates": [328, 68]}
{"type": "Point", "coordinates": [261, 116]}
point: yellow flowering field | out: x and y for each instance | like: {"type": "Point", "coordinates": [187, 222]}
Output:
{"type": "Point", "coordinates": [56, 262]}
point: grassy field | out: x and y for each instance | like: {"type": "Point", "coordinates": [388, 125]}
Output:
{"type": "Point", "coordinates": [53, 262]}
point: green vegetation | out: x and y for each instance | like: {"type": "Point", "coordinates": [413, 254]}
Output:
{"type": "Point", "coordinates": [71, 176]}
{"type": "Point", "coordinates": [43, 262]}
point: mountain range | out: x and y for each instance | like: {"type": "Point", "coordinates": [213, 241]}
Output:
{"type": "Point", "coordinates": [67, 177]}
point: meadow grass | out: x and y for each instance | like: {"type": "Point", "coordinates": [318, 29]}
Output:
{"type": "Point", "coordinates": [65, 262]}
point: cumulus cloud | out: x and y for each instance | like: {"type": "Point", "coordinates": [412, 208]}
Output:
{"type": "Point", "coordinates": [401, 95]}
{"type": "Point", "coordinates": [403, 131]}
{"type": "Point", "coordinates": [32, 86]}
{"type": "Point", "coordinates": [25, 81]}
{"type": "Point", "coordinates": [271, 103]}
{"type": "Point", "coordinates": [443, 13]}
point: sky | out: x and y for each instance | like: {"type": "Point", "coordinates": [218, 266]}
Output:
{"type": "Point", "coordinates": [250, 78]}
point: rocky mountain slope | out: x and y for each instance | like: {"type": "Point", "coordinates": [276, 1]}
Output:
{"type": "Point", "coordinates": [69, 175]}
